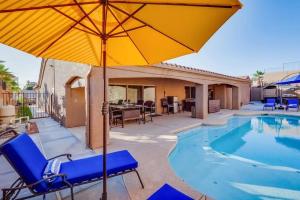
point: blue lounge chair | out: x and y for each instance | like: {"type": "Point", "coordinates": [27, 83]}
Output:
{"type": "Point", "coordinates": [167, 192]}
{"type": "Point", "coordinates": [270, 104]}
{"type": "Point", "coordinates": [292, 103]}
{"type": "Point", "coordinates": [27, 160]}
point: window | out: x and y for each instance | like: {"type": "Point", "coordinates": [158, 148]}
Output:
{"type": "Point", "coordinates": [149, 93]}
{"type": "Point", "coordinates": [117, 93]}
{"type": "Point", "coordinates": [134, 93]}
{"type": "Point", "coordinates": [190, 92]}
{"type": "Point", "coordinates": [80, 82]}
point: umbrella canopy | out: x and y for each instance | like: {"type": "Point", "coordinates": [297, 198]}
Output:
{"type": "Point", "coordinates": [291, 80]}
{"type": "Point", "coordinates": [111, 32]}
{"type": "Point", "coordinates": [137, 32]}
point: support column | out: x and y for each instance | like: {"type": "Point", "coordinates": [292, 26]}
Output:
{"type": "Point", "coordinates": [94, 96]}
{"type": "Point", "coordinates": [201, 101]}
{"type": "Point", "coordinates": [236, 98]}
{"type": "Point", "coordinates": [220, 94]}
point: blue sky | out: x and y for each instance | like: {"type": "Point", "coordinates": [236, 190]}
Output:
{"type": "Point", "coordinates": [263, 35]}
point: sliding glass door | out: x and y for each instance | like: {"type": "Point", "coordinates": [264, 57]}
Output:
{"type": "Point", "coordinates": [149, 93]}
{"type": "Point", "coordinates": [117, 94]}
{"type": "Point", "coordinates": [132, 93]}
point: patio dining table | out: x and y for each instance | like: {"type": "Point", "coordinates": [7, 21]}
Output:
{"type": "Point", "coordinates": [129, 112]}
{"type": "Point", "coordinates": [126, 107]}
{"type": "Point", "coordinates": [132, 112]}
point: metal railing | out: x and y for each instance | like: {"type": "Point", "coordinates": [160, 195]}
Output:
{"type": "Point", "coordinates": [31, 104]}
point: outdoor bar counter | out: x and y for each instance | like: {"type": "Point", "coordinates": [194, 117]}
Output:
{"type": "Point", "coordinates": [214, 106]}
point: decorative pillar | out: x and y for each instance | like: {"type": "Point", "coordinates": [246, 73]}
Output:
{"type": "Point", "coordinates": [94, 99]}
{"type": "Point", "coordinates": [236, 98]}
{"type": "Point", "coordinates": [201, 101]}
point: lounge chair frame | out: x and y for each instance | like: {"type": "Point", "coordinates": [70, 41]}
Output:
{"type": "Point", "coordinates": [18, 185]}
{"type": "Point", "coordinates": [269, 104]}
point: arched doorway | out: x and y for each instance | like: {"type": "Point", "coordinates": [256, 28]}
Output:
{"type": "Point", "coordinates": [75, 103]}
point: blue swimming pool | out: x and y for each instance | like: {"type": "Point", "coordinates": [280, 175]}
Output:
{"type": "Point", "coordinates": [255, 157]}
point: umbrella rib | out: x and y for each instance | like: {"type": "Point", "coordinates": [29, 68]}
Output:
{"type": "Point", "coordinates": [87, 16]}
{"type": "Point", "coordinates": [91, 33]}
{"type": "Point", "coordinates": [46, 7]}
{"type": "Point", "coordinates": [128, 30]}
{"type": "Point", "coordinates": [119, 36]}
{"type": "Point", "coordinates": [150, 26]}
{"type": "Point", "coordinates": [68, 30]}
{"type": "Point", "coordinates": [179, 4]}
{"type": "Point", "coordinates": [128, 35]}
{"type": "Point", "coordinates": [74, 20]}
{"type": "Point", "coordinates": [126, 19]}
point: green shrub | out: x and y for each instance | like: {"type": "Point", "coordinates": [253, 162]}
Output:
{"type": "Point", "coordinates": [25, 111]}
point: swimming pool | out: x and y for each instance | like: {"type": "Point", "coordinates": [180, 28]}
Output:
{"type": "Point", "coordinates": [255, 157]}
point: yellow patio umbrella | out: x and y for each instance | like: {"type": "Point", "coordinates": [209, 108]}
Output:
{"type": "Point", "coordinates": [111, 32]}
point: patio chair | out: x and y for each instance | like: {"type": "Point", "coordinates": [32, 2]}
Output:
{"type": "Point", "coordinates": [29, 163]}
{"type": "Point", "coordinates": [148, 110]}
{"type": "Point", "coordinates": [270, 104]}
{"type": "Point", "coordinates": [167, 192]}
{"type": "Point", "coordinates": [140, 102]}
{"type": "Point", "coordinates": [166, 105]}
{"type": "Point", "coordinates": [292, 103]}
{"type": "Point", "coordinates": [120, 101]}
{"type": "Point", "coordinates": [114, 116]}
{"type": "Point", "coordinates": [7, 134]}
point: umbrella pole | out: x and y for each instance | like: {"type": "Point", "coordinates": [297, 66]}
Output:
{"type": "Point", "coordinates": [105, 129]}
{"type": "Point", "coordinates": [105, 102]}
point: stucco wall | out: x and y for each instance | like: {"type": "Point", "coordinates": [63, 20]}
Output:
{"type": "Point", "coordinates": [63, 71]}
{"type": "Point", "coordinates": [75, 108]}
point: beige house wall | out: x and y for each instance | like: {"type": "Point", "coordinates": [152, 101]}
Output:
{"type": "Point", "coordinates": [75, 107]}
{"type": "Point", "coordinates": [220, 94]}
{"type": "Point", "coordinates": [229, 98]}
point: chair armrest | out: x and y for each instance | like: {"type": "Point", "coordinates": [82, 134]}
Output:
{"type": "Point", "coordinates": [115, 111]}
{"type": "Point", "coordinates": [62, 155]}
{"type": "Point", "coordinates": [30, 186]}
{"type": "Point", "coordinates": [7, 132]}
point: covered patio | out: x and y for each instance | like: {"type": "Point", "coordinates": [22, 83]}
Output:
{"type": "Point", "coordinates": [133, 84]}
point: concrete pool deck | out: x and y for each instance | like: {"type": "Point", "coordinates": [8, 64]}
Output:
{"type": "Point", "coordinates": [149, 143]}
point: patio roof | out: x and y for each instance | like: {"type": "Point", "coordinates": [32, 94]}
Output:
{"type": "Point", "coordinates": [166, 65]}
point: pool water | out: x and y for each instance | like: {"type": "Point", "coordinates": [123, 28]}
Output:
{"type": "Point", "coordinates": [255, 157]}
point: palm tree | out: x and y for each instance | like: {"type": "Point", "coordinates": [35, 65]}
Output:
{"type": "Point", "coordinates": [8, 77]}
{"type": "Point", "coordinates": [259, 76]}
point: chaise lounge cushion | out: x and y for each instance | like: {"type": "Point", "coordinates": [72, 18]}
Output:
{"type": "Point", "coordinates": [30, 163]}
{"type": "Point", "coordinates": [293, 105]}
{"type": "Point", "coordinates": [26, 158]}
{"type": "Point", "coordinates": [167, 192]}
{"type": "Point", "coordinates": [269, 105]}
{"type": "Point", "coordinates": [90, 168]}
